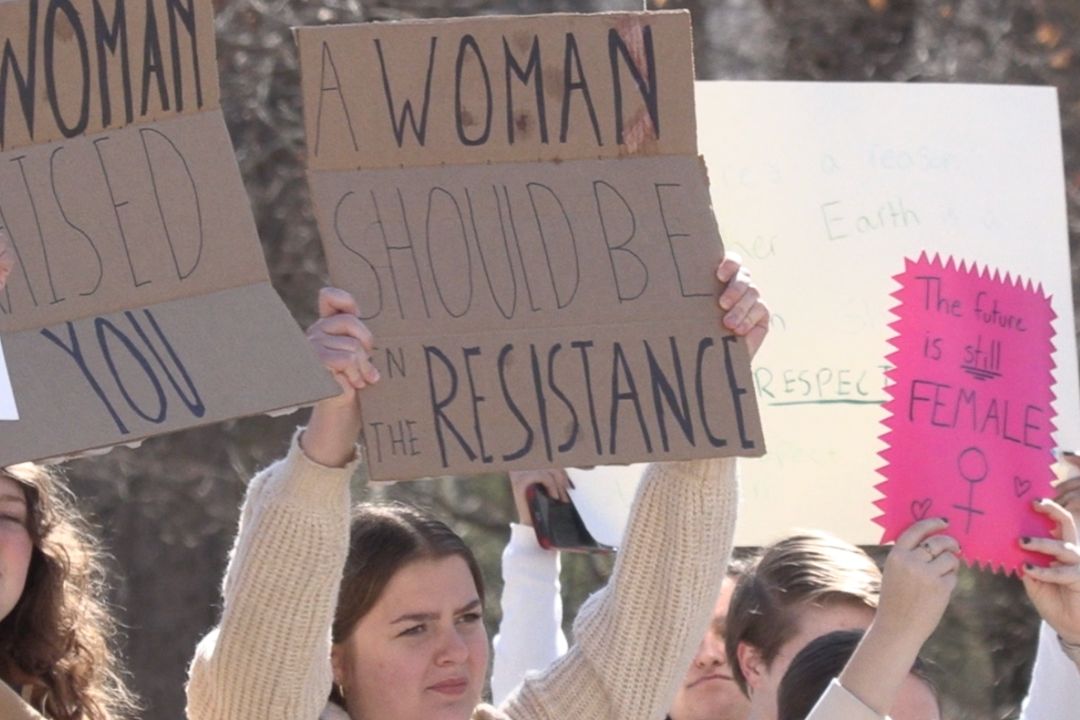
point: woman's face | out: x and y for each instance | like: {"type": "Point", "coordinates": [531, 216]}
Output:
{"type": "Point", "coordinates": [421, 653]}
{"type": "Point", "coordinates": [15, 544]}
{"type": "Point", "coordinates": [709, 690]}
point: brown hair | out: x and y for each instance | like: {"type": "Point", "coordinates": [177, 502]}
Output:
{"type": "Point", "coordinates": [382, 540]}
{"type": "Point", "coordinates": [58, 639]}
{"type": "Point", "coordinates": [801, 570]}
{"type": "Point", "coordinates": [815, 666]}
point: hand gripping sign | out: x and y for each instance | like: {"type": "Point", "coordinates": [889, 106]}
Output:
{"type": "Point", "coordinates": [971, 418]}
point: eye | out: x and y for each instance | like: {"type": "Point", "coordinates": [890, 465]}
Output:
{"type": "Point", "coordinates": [13, 518]}
{"type": "Point", "coordinates": [413, 630]}
{"type": "Point", "coordinates": [470, 618]}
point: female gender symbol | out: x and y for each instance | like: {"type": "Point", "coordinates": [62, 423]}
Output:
{"type": "Point", "coordinates": [974, 469]}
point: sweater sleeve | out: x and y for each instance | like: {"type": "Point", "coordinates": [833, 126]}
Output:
{"type": "Point", "coordinates": [530, 635]}
{"type": "Point", "coordinates": [838, 704]}
{"type": "Point", "coordinates": [1055, 680]}
{"type": "Point", "coordinates": [269, 659]}
{"type": "Point", "coordinates": [635, 638]}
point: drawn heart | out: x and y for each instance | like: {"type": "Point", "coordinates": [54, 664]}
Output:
{"type": "Point", "coordinates": [1021, 486]}
{"type": "Point", "coordinates": [919, 508]}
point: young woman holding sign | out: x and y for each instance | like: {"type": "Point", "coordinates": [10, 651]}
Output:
{"type": "Point", "coordinates": [378, 617]}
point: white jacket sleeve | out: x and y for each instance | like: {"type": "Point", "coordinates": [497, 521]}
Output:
{"type": "Point", "coordinates": [530, 636]}
{"type": "Point", "coordinates": [1055, 681]}
{"type": "Point", "coordinates": [634, 639]}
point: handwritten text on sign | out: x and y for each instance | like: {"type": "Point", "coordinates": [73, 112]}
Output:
{"type": "Point", "coordinates": [541, 296]}
{"type": "Point", "coordinates": [971, 421]}
{"type": "Point", "coordinates": [140, 292]}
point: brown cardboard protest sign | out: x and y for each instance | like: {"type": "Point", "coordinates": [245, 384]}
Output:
{"type": "Point", "coordinates": [497, 89]}
{"type": "Point", "coordinates": [75, 67]}
{"type": "Point", "coordinates": [141, 302]}
{"type": "Point", "coordinates": [531, 240]}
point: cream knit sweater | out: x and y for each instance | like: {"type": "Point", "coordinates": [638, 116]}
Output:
{"type": "Point", "coordinates": [269, 658]}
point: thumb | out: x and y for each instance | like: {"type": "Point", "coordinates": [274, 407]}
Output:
{"type": "Point", "coordinates": [334, 300]}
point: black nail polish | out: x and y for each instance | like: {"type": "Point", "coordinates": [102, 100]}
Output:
{"type": "Point", "coordinates": [1068, 453]}
{"type": "Point", "coordinates": [1025, 540]}
{"type": "Point", "coordinates": [944, 519]}
{"type": "Point", "coordinates": [1028, 566]}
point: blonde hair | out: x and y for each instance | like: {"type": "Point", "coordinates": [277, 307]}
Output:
{"type": "Point", "coordinates": [58, 639]}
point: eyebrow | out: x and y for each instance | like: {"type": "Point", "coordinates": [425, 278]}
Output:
{"type": "Point", "coordinates": [428, 617]}
{"type": "Point", "coordinates": [12, 498]}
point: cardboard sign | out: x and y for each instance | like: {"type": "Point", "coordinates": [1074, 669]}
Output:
{"type": "Point", "coordinates": [824, 189]}
{"type": "Point", "coordinates": [140, 303]}
{"type": "Point", "coordinates": [529, 237]}
{"type": "Point", "coordinates": [970, 411]}
{"type": "Point", "coordinates": [497, 89]}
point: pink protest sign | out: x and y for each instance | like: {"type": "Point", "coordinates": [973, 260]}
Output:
{"type": "Point", "coordinates": [970, 416]}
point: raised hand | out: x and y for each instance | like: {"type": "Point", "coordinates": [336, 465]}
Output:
{"type": "Point", "coordinates": [919, 577]}
{"type": "Point", "coordinates": [744, 312]}
{"type": "Point", "coordinates": [556, 482]}
{"type": "Point", "coordinates": [1055, 590]}
{"type": "Point", "coordinates": [344, 345]}
{"type": "Point", "coordinates": [918, 580]}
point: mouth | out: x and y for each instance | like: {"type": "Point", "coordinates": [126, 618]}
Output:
{"type": "Point", "coordinates": [454, 687]}
{"type": "Point", "coordinates": [710, 678]}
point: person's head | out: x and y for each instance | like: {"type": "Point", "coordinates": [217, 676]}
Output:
{"type": "Point", "coordinates": [815, 666]}
{"type": "Point", "coordinates": [408, 634]}
{"type": "Point", "coordinates": [55, 629]}
{"type": "Point", "coordinates": [709, 692]}
{"type": "Point", "coordinates": [798, 589]}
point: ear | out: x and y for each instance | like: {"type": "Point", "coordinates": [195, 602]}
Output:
{"type": "Point", "coordinates": [752, 665]}
{"type": "Point", "coordinates": [337, 663]}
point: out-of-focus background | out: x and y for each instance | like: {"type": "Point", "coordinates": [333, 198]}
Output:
{"type": "Point", "coordinates": [168, 510]}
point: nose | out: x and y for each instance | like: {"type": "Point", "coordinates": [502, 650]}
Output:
{"type": "Point", "coordinates": [453, 650]}
{"type": "Point", "coordinates": [711, 652]}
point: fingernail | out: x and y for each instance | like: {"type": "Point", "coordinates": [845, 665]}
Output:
{"type": "Point", "coordinates": [725, 303]}
{"type": "Point", "coordinates": [1025, 540]}
{"type": "Point", "coordinates": [375, 376]}
{"type": "Point", "coordinates": [944, 519]}
{"type": "Point", "coordinates": [1028, 566]}
{"type": "Point", "coordinates": [1068, 453]}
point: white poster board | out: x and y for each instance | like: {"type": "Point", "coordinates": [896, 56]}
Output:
{"type": "Point", "coordinates": [824, 188]}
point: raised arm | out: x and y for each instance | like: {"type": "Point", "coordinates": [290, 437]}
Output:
{"type": "Point", "coordinates": [920, 575]}
{"type": "Point", "coordinates": [635, 638]}
{"type": "Point", "coordinates": [530, 634]}
{"type": "Point", "coordinates": [269, 657]}
{"type": "Point", "coordinates": [1055, 593]}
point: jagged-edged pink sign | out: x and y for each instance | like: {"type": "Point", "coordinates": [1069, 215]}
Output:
{"type": "Point", "coordinates": [969, 432]}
